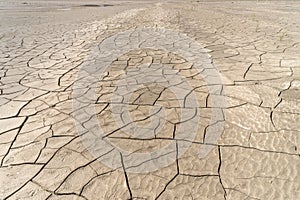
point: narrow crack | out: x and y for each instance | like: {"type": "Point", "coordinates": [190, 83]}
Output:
{"type": "Point", "coordinates": [219, 172]}
{"type": "Point", "coordinates": [126, 177]}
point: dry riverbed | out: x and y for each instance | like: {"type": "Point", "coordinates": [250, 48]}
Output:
{"type": "Point", "coordinates": [149, 100]}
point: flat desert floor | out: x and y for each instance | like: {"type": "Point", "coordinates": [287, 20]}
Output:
{"type": "Point", "coordinates": [149, 100]}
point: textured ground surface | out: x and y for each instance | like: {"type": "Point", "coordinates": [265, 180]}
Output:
{"type": "Point", "coordinates": [142, 102]}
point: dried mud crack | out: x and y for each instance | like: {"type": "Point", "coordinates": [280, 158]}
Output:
{"type": "Point", "coordinates": [166, 134]}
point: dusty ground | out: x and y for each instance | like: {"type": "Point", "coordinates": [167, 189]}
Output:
{"type": "Point", "coordinates": [71, 129]}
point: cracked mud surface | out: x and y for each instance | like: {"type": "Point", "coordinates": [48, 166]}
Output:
{"type": "Point", "coordinates": [255, 47]}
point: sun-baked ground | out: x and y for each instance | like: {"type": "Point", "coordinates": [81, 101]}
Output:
{"type": "Point", "coordinates": [247, 121]}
